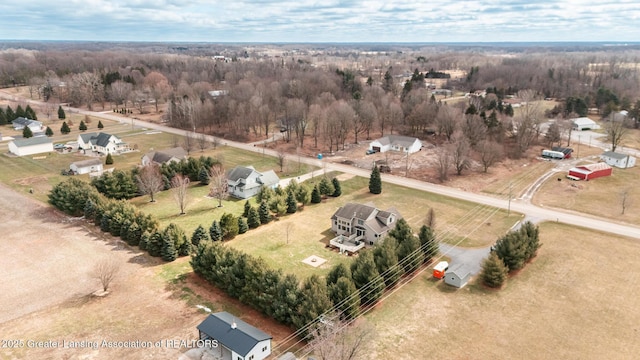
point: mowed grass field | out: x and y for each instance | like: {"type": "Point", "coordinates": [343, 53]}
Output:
{"type": "Point", "coordinates": [601, 197]}
{"type": "Point", "coordinates": [577, 300]}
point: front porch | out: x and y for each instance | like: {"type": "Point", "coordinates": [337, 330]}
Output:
{"type": "Point", "coordinates": [348, 244]}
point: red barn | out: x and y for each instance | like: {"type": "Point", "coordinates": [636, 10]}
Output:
{"type": "Point", "coordinates": [589, 172]}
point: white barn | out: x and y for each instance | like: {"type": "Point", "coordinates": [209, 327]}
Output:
{"type": "Point", "coordinates": [584, 123]}
{"type": "Point", "coordinates": [396, 143]}
{"type": "Point", "coordinates": [86, 166]}
{"type": "Point", "coordinates": [618, 160]}
{"type": "Point", "coordinates": [236, 340]}
{"type": "Point", "coordinates": [31, 146]}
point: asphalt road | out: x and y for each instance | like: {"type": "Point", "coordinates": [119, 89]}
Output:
{"type": "Point", "coordinates": [529, 210]}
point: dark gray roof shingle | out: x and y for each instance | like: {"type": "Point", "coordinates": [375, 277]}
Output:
{"type": "Point", "coordinates": [241, 339]}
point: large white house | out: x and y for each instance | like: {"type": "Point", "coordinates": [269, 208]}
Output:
{"type": "Point", "coordinates": [102, 143]}
{"type": "Point", "coordinates": [584, 123]}
{"type": "Point", "coordinates": [245, 182]}
{"type": "Point", "coordinates": [234, 339]}
{"type": "Point", "coordinates": [618, 160]}
{"type": "Point", "coordinates": [363, 222]}
{"type": "Point", "coordinates": [31, 146]}
{"type": "Point", "coordinates": [399, 143]}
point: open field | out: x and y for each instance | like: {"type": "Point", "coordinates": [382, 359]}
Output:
{"type": "Point", "coordinates": [576, 300]}
{"type": "Point", "coordinates": [601, 197]}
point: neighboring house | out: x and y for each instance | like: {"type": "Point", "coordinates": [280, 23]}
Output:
{"type": "Point", "coordinates": [396, 143]}
{"type": "Point", "coordinates": [584, 123]}
{"type": "Point", "coordinates": [618, 160]}
{"type": "Point", "coordinates": [589, 172]}
{"type": "Point", "coordinates": [620, 116]}
{"type": "Point", "coordinates": [20, 123]}
{"type": "Point", "coordinates": [30, 146]}
{"type": "Point", "coordinates": [86, 166]}
{"type": "Point", "coordinates": [102, 143]}
{"type": "Point", "coordinates": [245, 182]}
{"type": "Point", "coordinates": [164, 156]}
{"type": "Point", "coordinates": [565, 150]}
{"type": "Point", "coordinates": [362, 223]}
{"type": "Point", "coordinates": [514, 102]}
{"type": "Point", "coordinates": [457, 276]}
{"type": "Point", "coordinates": [236, 340]}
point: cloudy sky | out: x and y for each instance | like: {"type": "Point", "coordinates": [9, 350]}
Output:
{"type": "Point", "coordinates": [321, 20]}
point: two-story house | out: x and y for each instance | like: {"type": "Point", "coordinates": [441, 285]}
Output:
{"type": "Point", "coordinates": [102, 143]}
{"type": "Point", "coordinates": [363, 222]}
{"type": "Point", "coordinates": [245, 182]}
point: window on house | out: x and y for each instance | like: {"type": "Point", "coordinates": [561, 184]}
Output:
{"type": "Point", "coordinates": [360, 222]}
{"type": "Point", "coordinates": [370, 242]}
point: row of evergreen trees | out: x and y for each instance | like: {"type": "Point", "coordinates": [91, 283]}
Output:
{"type": "Point", "coordinates": [346, 288]}
{"type": "Point", "coordinates": [510, 253]}
{"type": "Point", "coordinates": [7, 115]}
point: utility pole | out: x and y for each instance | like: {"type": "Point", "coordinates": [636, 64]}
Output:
{"type": "Point", "coordinates": [578, 146]}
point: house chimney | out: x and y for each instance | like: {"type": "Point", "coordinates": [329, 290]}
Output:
{"type": "Point", "coordinates": [233, 325]}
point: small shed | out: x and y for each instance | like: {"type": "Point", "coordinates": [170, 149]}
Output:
{"type": "Point", "coordinates": [440, 269]}
{"type": "Point", "coordinates": [589, 172]}
{"type": "Point", "coordinates": [618, 160]}
{"type": "Point", "coordinates": [584, 123]}
{"type": "Point", "coordinates": [86, 166]}
{"type": "Point", "coordinates": [458, 276]}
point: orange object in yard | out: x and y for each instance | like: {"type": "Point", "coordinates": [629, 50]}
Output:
{"type": "Point", "coordinates": [440, 269]}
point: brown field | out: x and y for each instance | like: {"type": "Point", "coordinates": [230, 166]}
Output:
{"type": "Point", "coordinates": [576, 300]}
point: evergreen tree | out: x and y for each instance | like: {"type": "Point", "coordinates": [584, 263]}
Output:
{"type": "Point", "coordinates": [169, 252]}
{"type": "Point", "coordinates": [204, 177]}
{"type": "Point", "coordinates": [199, 235]}
{"type": "Point", "coordinates": [428, 243]}
{"type": "Point", "coordinates": [64, 129]}
{"type": "Point", "coordinates": [214, 231]}
{"type": "Point", "coordinates": [10, 115]}
{"type": "Point", "coordinates": [20, 112]}
{"type": "Point", "coordinates": [337, 189]}
{"type": "Point", "coordinates": [3, 117]}
{"type": "Point", "coordinates": [155, 244]}
{"type": "Point", "coordinates": [287, 300]}
{"type": "Point", "coordinates": [409, 254]}
{"type": "Point", "coordinates": [48, 132]}
{"type": "Point", "coordinates": [512, 250]}
{"type": "Point", "coordinates": [145, 238]}
{"type": "Point", "coordinates": [325, 187]}
{"type": "Point", "coordinates": [386, 259]}
{"type": "Point", "coordinates": [509, 110]}
{"type": "Point", "coordinates": [314, 301]}
{"type": "Point", "coordinates": [263, 212]}
{"type": "Point", "coordinates": [100, 126]}
{"type": "Point", "coordinates": [26, 132]}
{"type": "Point", "coordinates": [375, 181]}
{"type": "Point", "coordinates": [338, 271]}
{"type": "Point", "coordinates": [83, 126]}
{"type": "Point", "coordinates": [253, 218]}
{"type": "Point", "coordinates": [345, 297]}
{"type": "Point", "coordinates": [303, 195]}
{"type": "Point", "coordinates": [315, 195]}
{"type": "Point", "coordinates": [176, 235]}
{"type": "Point", "coordinates": [494, 272]}
{"type": "Point", "coordinates": [247, 207]}
{"type": "Point", "coordinates": [531, 235]}
{"type": "Point", "coordinates": [109, 160]}
{"type": "Point", "coordinates": [366, 278]}
{"type": "Point", "coordinates": [29, 113]}
{"type": "Point", "coordinates": [61, 114]}
{"type": "Point", "coordinates": [292, 204]}
{"type": "Point", "coordinates": [134, 233]}
{"type": "Point", "coordinates": [242, 225]}
{"type": "Point", "coordinates": [229, 226]}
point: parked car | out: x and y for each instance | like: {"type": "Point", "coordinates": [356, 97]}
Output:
{"type": "Point", "coordinates": [369, 152]}
{"type": "Point", "coordinates": [58, 146]}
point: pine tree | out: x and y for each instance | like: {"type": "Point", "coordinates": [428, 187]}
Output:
{"type": "Point", "coordinates": [512, 250]}
{"type": "Point", "coordinates": [20, 112]}
{"type": "Point", "coordinates": [409, 253]}
{"type": "Point", "coordinates": [314, 301]}
{"type": "Point", "coordinates": [247, 207]}
{"type": "Point", "coordinates": [338, 271]}
{"type": "Point", "coordinates": [100, 126]}
{"type": "Point", "coordinates": [494, 272]}
{"type": "Point", "coordinates": [61, 114]}
{"type": "Point", "coordinates": [345, 297]}
{"type": "Point", "coordinates": [155, 244]}
{"type": "Point", "coordinates": [253, 219]}
{"type": "Point", "coordinates": [292, 204]}
{"type": "Point", "coordinates": [386, 259]}
{"type": "Point", "coordinates": [366, 278]}
{"type": "Point", "coordinates": [242, 225]}
{"type": "Point", "coordinates": [229, 226]}
{"type": "Point", "coordinates": [26, 132]}
{"type": "Point", "coordinates": [303, 195]}
{"type": "Point", "coordinates": [375, 182]}
{"type": "Point", "coordinates": [199, 235]}
{"type": "Point", "coordinates": [263, 212]}
{"type": "Point", "coordinates": [64, 129]}
{"type": "Point", "coordinates": [315, 195]}
{"type": "Point", "coordinates": [325, 187]}
{"type": "Point", "coordinates": [10, 115]}
{"type": "Point", "coordinates": [428, 243]}
{"type": "Point", "coordinates": [214, 231]}
{"type": "Point", "coordinates": [203, 176]}
{"type": "Point", "coordinates": [29, 113]}
{"type": "Point", "coordinates": [83, 126]}
{"type": "Point", "coordinates": [169, 252]}
{"type": "Point", "coordinates": [48, 132]}
{"type": "Point", "coordinates": [109, 160]}
{"type": "Point", "coordinates": [337, 189]}
{"type": "Point", "coordinates": [3, 117]}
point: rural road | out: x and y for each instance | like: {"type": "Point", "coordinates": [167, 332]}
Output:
{"type": "Point", "coordinates": [529, 210]}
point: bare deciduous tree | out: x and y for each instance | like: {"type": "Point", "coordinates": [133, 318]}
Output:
{"type": "Point", "coordinates": [288, 229]}
{"type": "Point", "coordinates": [105, 271]}
{"type": "Point", "coordinates": [203, 143]}
{"type": "Point", "coordinates": [282, 157]}
{"type": "Point", "coordinates": [443, 163]}
{"type": "Point", "coordinates": [218, 184]}
{"type": "Point", "coordinates": [431, 218]}
{"type": "Point", "coordinates": [180, 185]}
{"type": "Point", "coordinates": [150, 180]}
{"type": "Point", "coordinates": [490, 153]}
{"type": "Point", "coordinates": [189, 141]}
{"type": "Point", "coordinates": [616, 132]}
{"type": "Point", "coordinates": [447, 120]}
{"type": "Point", "coordinates": [460, 154]}
{"type": "Point", "coordinates": [625, 199]}
{"type": "Point", "coordinates": [334, 339]}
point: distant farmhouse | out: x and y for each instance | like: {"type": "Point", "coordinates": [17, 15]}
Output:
{"type": "Point", "coordinates": [618, 160]}
{"type": "Point", "coordinates": [236, 340]}
{"type": "Point", "coordinates": [34, 125]}
{"type": "Point", "coordinates": [584, 123]}
{"type": "Point", "coordinates": [102, 143]}
{"type": "Point", "coordinates": [357, 225]}
{"type": "Point", "coordinates": [166, 156]}
{"type": "Point", "coordinates": [400, 143]}
{"type": "Point", "coordinates": [31, 146]}
{"type": "Point", "coordinates": [245, 182]}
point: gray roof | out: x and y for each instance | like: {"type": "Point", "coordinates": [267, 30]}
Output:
{"type": "Point", "coordinates": [90, 162]}
{"type": "Point", "coordinates": [405, 141]}
{"type": "Point", "coordinates": [460, 270]}
{"type": "Point", "coordinates": [614, 155]}
{"type": "Point", "coordinates": [269, 178]}
{"type": "Point", "coordinates": [99, 139]}
{"type": "Point", "coordinates": [240, 172]}
{"type": "Point", "coordinates": [32, 141]}
{"type": "Point", "coordinates": [240, 340]}
{"type": "Point", "coordinates": [353, 210]}
{"type": "Point", "coordinates": [163, 156]}
{"type": "Point", "coordinates": [583, 121]}
{"type": "Point", "coordinates": [374, 218]}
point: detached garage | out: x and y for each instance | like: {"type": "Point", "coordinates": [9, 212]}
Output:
{"type": "Point", "coordinates": [458, 276]}
{"type": "Point", "coordinates": [86, 166]}
{"type": "Point", "coordinates": [589, 172]}
{"type": "Point", "coordinates": [31, 146]}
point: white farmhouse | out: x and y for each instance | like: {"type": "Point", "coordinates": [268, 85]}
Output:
{"type": "Point", "coordinates": [102, 143]}
{"type": "Point", "coordinates": [245, 182]}
{"type": "Point", "coordinates": [618, 160]}
{"type": "Point", "coordinates": [399, 143]}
